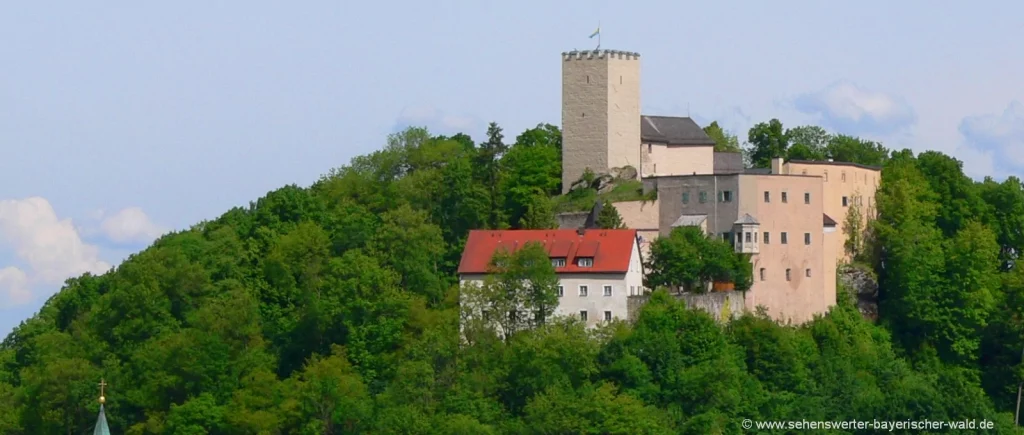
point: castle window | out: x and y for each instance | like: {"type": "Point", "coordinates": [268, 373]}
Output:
{"type": "Point", "coordinates": [686, 197]}
{"type": "Point", "coordinates": [607, 290]}
{"type": "Point", "coordinates": [607, 316]}
{"type": "Point", "coordinates": [725, 196]}
{"type": "Point", "coordinates": [762, 274]}
{"type": "Point", "coordinates": [784, 238]}
{"type": "Point", "coordinates": [748, 237]}
{"type": "Point", "coordinates": [826, 176]}
{"type": "Point", "coordinates": [807, 238]}
{"type": "Point", "coordinates": [583, 291]}
{"type": "Point", "coordinates": [767, 196]}
{"type": "Point", "coordinates": [807, 198]}
{"type": "Point", "coordinates": [785, 197]}
{"type": "Point", "coordinates": [561, 291]}
{"type": "Point", "coordinates": [588, 79]}
{"type": "Point", "coordinates": [846, 202]}
{"type": "Point", "coordinates": [843, 176]}
{"type": "Point", "coordinates": [766, 237]}
{"type": "Point", "coordinates": [703, 197]}
{"type": "Point", "coordinates": [583, 315]}
{"type": "Point", "coordinates": [585, 262]}
{"type": "Point", "coordinates": [788, 275]}
{"type": "Point", "coordinates": [727, 236]}
{"type": "Point", "coordinates": [807, 273]}
{"type": "Point", "coordinates": [557, 262]}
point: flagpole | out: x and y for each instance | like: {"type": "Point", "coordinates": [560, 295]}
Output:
{"type": "Point", "coordinates": [599, 35]}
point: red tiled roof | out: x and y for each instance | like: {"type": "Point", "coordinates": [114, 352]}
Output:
{"type": "Point", "coordinates": [610, 249]}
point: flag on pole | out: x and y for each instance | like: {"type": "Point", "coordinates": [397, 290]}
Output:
{"type": "Point", "coordinates": [596, 32]}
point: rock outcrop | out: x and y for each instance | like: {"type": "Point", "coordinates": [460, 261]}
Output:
{"type": "Point", "coordinates": [859, 283]}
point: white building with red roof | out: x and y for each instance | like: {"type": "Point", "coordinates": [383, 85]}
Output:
{"type": "Point", "coordinates": [597, 269]}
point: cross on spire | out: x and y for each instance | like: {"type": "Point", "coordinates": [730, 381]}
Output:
{"type": "Point", "coordinates": [102, 385]}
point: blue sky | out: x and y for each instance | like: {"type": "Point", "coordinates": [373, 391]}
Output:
{"type": "Point", "coordinates": [123, 120]}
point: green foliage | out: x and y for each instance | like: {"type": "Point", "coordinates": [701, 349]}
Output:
{"type": "Point", "coordinates": [724, 141]}
{"type": "Point", "coordinates": [689, 259]}
{"type": "Point", "coordinates": [540, 215]}
{"type": "Point", "coordinates": [336, 309]}
{"type": "Point", "coordinates": [767, 140]}
{"type": "Point", "coordinates": [608, 218]}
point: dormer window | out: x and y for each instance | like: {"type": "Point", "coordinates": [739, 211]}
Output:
{"type": "Point", "coordinates": [557, 262]}
{"type": "Point", "coordinates": [585, 262]}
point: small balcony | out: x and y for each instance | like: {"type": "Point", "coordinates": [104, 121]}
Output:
{"type": "Point", "coordinates": [746, 231]}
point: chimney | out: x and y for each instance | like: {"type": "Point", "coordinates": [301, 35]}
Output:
{"type": "Point", "coordinates": [581, 231]}
{"type": "Point", "coordinates": [777, 165]}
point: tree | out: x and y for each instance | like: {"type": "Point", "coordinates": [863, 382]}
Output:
{"type": "Point", "coordinates": [767, 140]}
{"type": "Point", "coordinates": [853, 227]}
{"type": "Point", "coordinates": [724, 141]}
{"type": "Point", "coordinates": [842, 148]}
{"type": "Point", "coordinates": [539, 215]}
{"type": "Point", "coordinates": [520, 292]}
{"type": "Point", "coordinates": [807, 142]}
{"type": "Point", "coordinates": [488, 167]}
{"type": "Point", "coordinates": [690, 260]}
{"type": "Point", "coordinates": [608, 218]}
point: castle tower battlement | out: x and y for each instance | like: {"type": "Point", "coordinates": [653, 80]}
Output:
{"type": "Point", "coordinates": [600, 54]}
{"type": "Point", "coordinates": [600, 112]}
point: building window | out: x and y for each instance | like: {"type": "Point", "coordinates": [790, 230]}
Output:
{"type": "Point", "coordinates": [583, 315]}
{"type": "Point", "coordinates": [766, 238]}
{"type": "Point", "coordinates": [748, 237]}
{"type": "Point", "coordinates": [762, 274]}
{"type": "Point", "coordinates": [843, 176]}
{"type": "Point", "coordinates": [784, 239]}
{"type": "Point", "coordinates": [648, 148]}
{"type": "Point", "coordinates": [767, 196]}
{"type": "Point", "coordinates": [807, 238]}
{"type": "Point", "coordinates": [727, 237]}
{"type": "Point", "coordinates": [703, 197]}
{"type": "Point", "coordinates": [585, 262]}
{"type": "Point", "coordinates": [557, 262]}
{"type": "Point", "coordinates": [845, 202]}
{"type": "Point", "coordinates": [686, 197]}
{"type": "Point", "coordinates": [607, 316]}
{"type": "Point", "coordinates": [583, 291]}
{"type": "Point", "coordinates": [826, 176]}
{"type": "Point", "coordinates": [807, 198]}
{"type": "Point", "coordinates": [607, 290]}
{"type": "Point", "coordinates": [785, 197]}
{"type": "Point", "coordinates": [561, 291]}
{"type": "Point", "coordinates": [725, 196]}
{"type": "Point", "coordinates": [807, 273]}
{"type": "Point", "coordinates": [788, 275]}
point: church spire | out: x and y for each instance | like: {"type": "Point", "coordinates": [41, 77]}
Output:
{"type": "Point", "coordinates": [101, 421]}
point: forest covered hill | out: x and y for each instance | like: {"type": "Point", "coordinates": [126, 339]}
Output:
{"type": "Point", "coordinates": [333, 309]}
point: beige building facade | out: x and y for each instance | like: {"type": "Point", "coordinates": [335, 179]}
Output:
{"type": "Point", "coordinates": [845, 185]}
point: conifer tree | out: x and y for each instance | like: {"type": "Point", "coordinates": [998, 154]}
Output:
{"type": "Point", "coordinates": [608, 218]}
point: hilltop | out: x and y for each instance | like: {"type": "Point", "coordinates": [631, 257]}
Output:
{"type": "Point", "coordinates": [333, 309]}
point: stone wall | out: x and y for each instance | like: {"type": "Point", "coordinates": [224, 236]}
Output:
{"type": "Point", "coordinates": [571, 221]}
{"type": "Point", "coordinates": [721, 305]}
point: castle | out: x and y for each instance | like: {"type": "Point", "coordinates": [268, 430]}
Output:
{"type": "Point", "coordinates": [791, 217]}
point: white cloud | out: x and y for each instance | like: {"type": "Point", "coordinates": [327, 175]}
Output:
{"type": "Point", "coordinates": [50, 247]}
{"type": "Point", "coordinates": [1000, 136]}
{"type": "Point", "coordinates": [436, 121]}
{"type": "Point", "coordinates": [848, 108]}
{"type": "Point", "coordinates": [14, 288]}
{"type": "Point", "coordinates": [130, 225]}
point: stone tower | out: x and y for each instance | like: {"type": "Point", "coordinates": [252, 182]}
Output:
{"type": "Point", "coordinates": [600, 112]}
